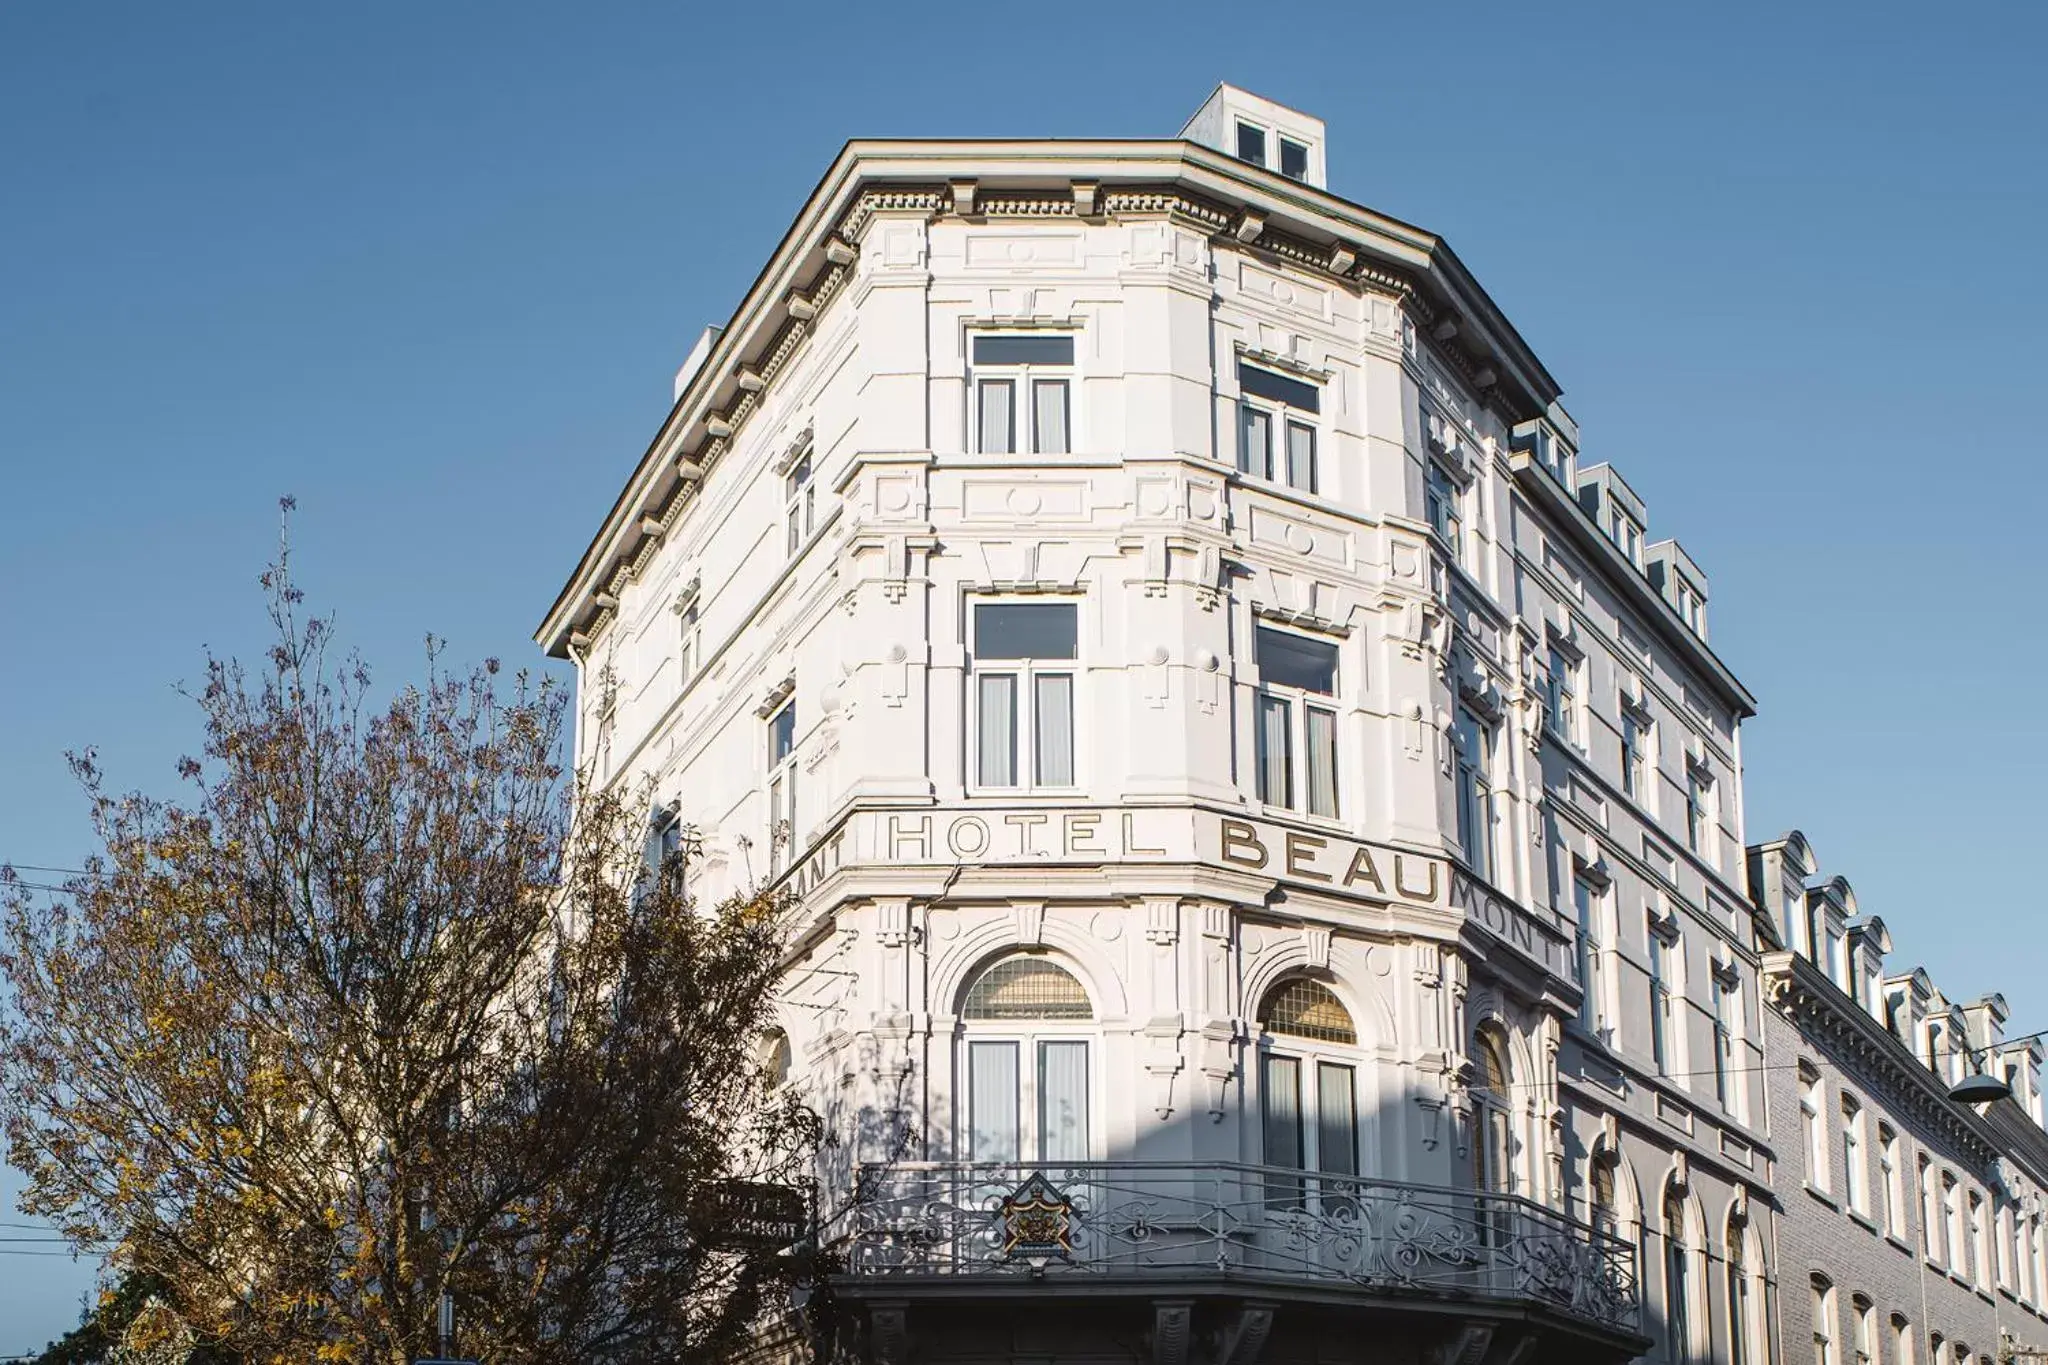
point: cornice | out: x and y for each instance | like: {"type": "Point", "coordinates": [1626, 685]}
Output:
{"type": "Point", "coordinates": [1824, 1013]}
{"type": "Point", "coordinates": [1245, 207]}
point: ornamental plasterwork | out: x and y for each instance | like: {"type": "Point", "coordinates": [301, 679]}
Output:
{"type": "Point", "coordinates": [1341, 261]}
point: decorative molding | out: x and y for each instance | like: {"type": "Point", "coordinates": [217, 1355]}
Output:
{"type": "Point", "coordinates": [1172, 1326]}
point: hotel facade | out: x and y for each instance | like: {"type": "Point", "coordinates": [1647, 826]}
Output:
{"type": "Point", "coordinates": [1263, 816]}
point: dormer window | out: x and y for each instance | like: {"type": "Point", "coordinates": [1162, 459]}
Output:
{"type": "Point", "coordinates": [1251, 143]}
{"type": "Point", "coordinates": [1293, 159]}
{"type": "Point", "coordinates": [1692, 608]}
{"type": "Point", "coordinates": [1628, 536]}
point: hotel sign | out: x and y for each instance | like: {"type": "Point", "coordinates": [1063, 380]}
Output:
{"type": "Point", "coordinates": [1048, 836]}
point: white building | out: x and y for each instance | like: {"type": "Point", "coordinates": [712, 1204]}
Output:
{"type": "Point", "coordinates": [1151, 611]}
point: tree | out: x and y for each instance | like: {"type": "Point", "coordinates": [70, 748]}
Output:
{"type": "Point", "coordinates": [388, 1009]}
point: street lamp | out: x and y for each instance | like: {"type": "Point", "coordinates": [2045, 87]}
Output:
{"type": "Point", "coordinates": [1982, 1087]}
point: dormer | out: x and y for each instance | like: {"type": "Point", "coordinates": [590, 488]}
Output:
{"type": "Point", "coordinates": [1984, 1019]}
{"type": "Point", "coordinates": [1778, 872]}
{"type": "Point", "coordinates": [1615, 509]}
{"type": "Point", "coordinates": [1250, 128]}
{"type": "Point", "coordinates": [1681, 583]}
{"type": "Point", "coordinates": [1910, 995]}
{"type": "Point", "coordinates": [1869, 941]}
{"type": "Point", "coordinates": [1830, 905]}
{"type": "Point", "coordinates": [1553, 440]}
{"type": "Point", "coordinates": [2021, 1064]}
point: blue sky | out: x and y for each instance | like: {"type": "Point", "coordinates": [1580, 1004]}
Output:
{"type": "Point", "coordinates": [430, 268]}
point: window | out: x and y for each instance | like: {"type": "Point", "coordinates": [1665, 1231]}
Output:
{"type": "Point", "coordinates": [1692, 608]}
{"type": "Point", "coordinates": [1443, 504]}
{"type": "Point", "coordinates": [1678, 1310]}
{"type": "Point", "coordinates": [1293, 159]}
{"type": "Point", "coordinates": [781, 785]}
{"type": "Point", "coordinates": [1892, 1179]}
{"type": "Point", "coordinates": [1637, 736]}
{"type": "Point", "coordinates": [1952, 1216]}
{"type": "Point", "coordinates": [1473, 740]}
{"type": "Point", "coordinates": [1930, 1213]}
{"type": "Point", "coordinates": [1745, 1296]}
{"type": "Point", "coordinates": [1561, 700]}
{"type": "Point", "coordinates": [1793, 925]}
{"type": "Point", "coordinates": [1855, 1162]}
{"type": "Point", "coordinates": [1034, 371]}
{"type": "Point", "coordinates": [773, 1052]}
{"type": "Point", "coordinates": [1628, 536]}
{"type": "Point", "coordinates": [1664, 956]}
{"type": "Point", "coordinates": [800, 505]}
{"type": "Point", "coordinates": [2007, 1236]}
{"type": "Point", "coordinates": [1590, 903]}
{"type": "Point", "coordinates": [1277, 427]}
{"type": "Point", "coordinates": [1902, 1340]}
{"type": "Point", "coordinates": [1980, 1243]}
{"type": "Point", "coordinates": [686, 646]}
{"type": "Point", "coordinates": [1728, 1087]}
{"type": "Point", "coordinates": [1813, 1129]}
{"type": "Point", "coordinates": [1308, 1091]}
{"type": "Point", "coordinates": [1023, 669]}
{"type": "Point", "coordinates": [1029, 1082]}
{"type": "Point", "coordinates": [1297, 721]}
{"type": "Point", "coordinates": [1823, 1322]}
{"type": "Point", "coordinates": [1935, 1352]}
{"type": "Point", "coordinates": [1700, 818]}
{"type": "Point", "coordinates": [1494, 1151]}
{"type": "Point", "coordinates": [1601, 1210]}
{"type": "Point", "coordinates": [1864, 1316]}
{"type": "Point", "coordinates": [1251, 144]}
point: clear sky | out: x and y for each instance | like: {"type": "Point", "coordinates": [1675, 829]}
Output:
{"type": "Point", "coordinates": [431, 267]}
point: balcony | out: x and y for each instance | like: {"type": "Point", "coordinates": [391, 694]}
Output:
{"type": "Point", "coordinates": [1152, 1227]}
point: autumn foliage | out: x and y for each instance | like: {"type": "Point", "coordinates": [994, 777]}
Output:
{"type": "Point", "coordinates": [387, 1009]}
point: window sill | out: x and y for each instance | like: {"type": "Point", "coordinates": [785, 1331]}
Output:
{"type": "Point", "coordinates": [1818, 1193]}
{"type": "Point", "coordinates": [1899, 1242]}
{"type": "Point", "coordinates": [1863, 1219]}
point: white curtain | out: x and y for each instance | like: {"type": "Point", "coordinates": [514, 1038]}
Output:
{"type": "Point", "coordinates": [1336, 1120]}
{"type": "Point", "coordinates": [997, 762]}
{"type": "Point", "coordinates": [1301, 457]}
{"type": "Point", "coordinates": [1063, 1101]}
{"type": "Point", "coordinates": [1255, 448]}
{"type": "Point", "coordinates": [1275, 761]}
{"type": "Point", "coordinates": [992, 1101]}
{"type": "Point", "coordinates": [1322, 762]}
{"type": "Point", "coordinates": [1053, 729]}
{"type": "Point", "coordinates": [998, 397]}
{"type": "Point", "coordinates": [1049, 415]}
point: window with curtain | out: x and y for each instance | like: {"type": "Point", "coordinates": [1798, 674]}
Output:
{"type": "Point", "coordinates": [1277, 420]}
{"type": "Point", "coordinates": [1891, 1180]}
{"type": "Point", "coordinates": [1028, 1024]}
{"type": "Point", "coordinates": [1589, 903]}
{"type": "Point", "coordinates": [1296, 742]}
{"type": "Point", "coordinates": [1024, 663]}
{"type": "Point", "coordinates": [1863, 1321]}
{"type": "Point", "coordinates": [1308, 1092]}
{"type": "Point", "coordinates": [1023, 387]}
{"type": "Point", "coordinates": [1902, 1340]}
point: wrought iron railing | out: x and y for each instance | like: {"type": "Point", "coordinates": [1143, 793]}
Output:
{"type": "Point", "coordinates": [1146, 1219]}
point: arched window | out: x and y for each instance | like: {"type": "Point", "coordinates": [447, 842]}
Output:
{"type": "Point", "coordinates": [1824, 1322]}
{"type": "Point", "coordinates": [1493, 1146]}
{"type": "Point", "coordinates": [1863, 1319]}
{"type": "Point", "coordinates": [1678, 1286]}
{"type": "Point", "coordinates": [1745, 1293]}
{"type": "Point", "coordinates": [1902, 1339]}
{"type": "Point", "coordinates": [1027, 988]}
{"type": "Point", "coordinates": [1308, 1085]}
{"type": "Point", "coordinates": [1600, 1206]}
{"type": "Point", "coordinates": [1026, 1060]}
{"type": "Point", "coordinates": [773, 1050]}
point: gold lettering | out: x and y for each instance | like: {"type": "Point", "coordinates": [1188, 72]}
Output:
{"type": "Point", "coordinates": [1080, 833]}
{"type": "Point", "coordinates": [1131, 845]}
{"type": "Point", "coordinates": [1362, 870]}
{"type": "Point", "coordinates": [1427, 897]}
{"type": "Point", "coordinates": [1026, 842]}
{"type": "Point", "coordinates": [1300, 848]}
{"type": "Point", "coordinates": [1239, 835]}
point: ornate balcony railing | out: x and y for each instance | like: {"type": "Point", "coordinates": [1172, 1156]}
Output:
{"type": "Point", "coordinates": [1164, 1220]}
